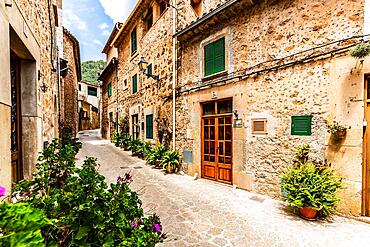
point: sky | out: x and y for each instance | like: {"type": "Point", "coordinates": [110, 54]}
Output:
{"type": "Point", "coordinates": [91, 22]}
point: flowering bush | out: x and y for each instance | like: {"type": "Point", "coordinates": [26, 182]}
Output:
{"type": "Point", "coordinates": [86, 210]}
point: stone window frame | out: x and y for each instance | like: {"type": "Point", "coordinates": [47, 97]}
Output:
{"type": "Point", "coordinates": [224, 33]}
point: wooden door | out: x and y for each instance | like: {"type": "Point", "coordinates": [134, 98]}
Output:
{"type": "Point", "coordinates": [16, 120]}
{"type": "Point", "coordinates": [366, 161]}
{"type": "Point", "coordinates": [217, 145]}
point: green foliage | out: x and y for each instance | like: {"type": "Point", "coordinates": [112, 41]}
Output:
{"type": "Point", "coordinates": [360, 51]}
{"type": "Point", "coordinates": [90, 70]}
{"type": "Point", "coordinates": [335, 127]}
{"type": "Point", "coordinates": [302, 153]}
{"type": "Point", "coordinates": [311, 184]}
{"type": "Point", "coordinates": [155, 156]}
{"type": "Point", "coordinates": [88, 212]}
{"type": "Point", "coordinates": [21, 224]}
{"type": "Point", "coordinates": [171, 160]}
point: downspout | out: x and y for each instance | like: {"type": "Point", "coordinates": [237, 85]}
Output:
{"type": "Point", "coordinates": [174, 73]}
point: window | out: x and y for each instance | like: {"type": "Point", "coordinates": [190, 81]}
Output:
{"type": "Point", "coordinates": [135, 126]}
{"type": "Point", "coordinates": [301, 125]}
{"type": "Point", "coordinates": [259, 126]}
{"type": "Point", "coordinates": [125, 83]}
{"type": "Point", "coordinates": [149, 126]}
{"type": "Point", "coordinates": [93, 91]}
{"type": "Point", "coordinates": [217, 107]}
{"type": "Point", "coordinates": [162, 6]}
{"type": "Point", "coordinates": [79, 87]}
{"type": "Point", "coordinates": [149, 18]}
{"type": "Point", "coordinates": [133, 41]}
{"type": "Point", "coordinates": [150, 69]}
{"type": "Point", "coordinates": [214, 57]}
{"type": "Point", "coordinates": [109, 89]}
{"type": "Point", "coordinates": [197, 6]}
{"type": "Point", "coordinates": [134, 84]}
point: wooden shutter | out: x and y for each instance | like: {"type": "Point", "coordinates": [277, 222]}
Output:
{"type": "Point", "coordinates": [214, 57]}
{"type": "Point", "coordinates": [110, 89]}
{"type": "Point", "coordinates": [259, 126]}
{"type": "Point", "coordinates": [134, 84]}
{"type": "Point", "coordinates": [149, 127]}
{"type": "Point", "coordinates": [301, 125]}
{"type": "Point", "coordinates": [133, 41]}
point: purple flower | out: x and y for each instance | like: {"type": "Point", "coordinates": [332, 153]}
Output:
{"type": "Point", "coordinates": [119, 178]}
{"type": "Point", "coordinates": [157, 227]}
{"type": "Point", "coordinates": [2, 191]}
{"type": "Point", "coordinates": [133, 224]}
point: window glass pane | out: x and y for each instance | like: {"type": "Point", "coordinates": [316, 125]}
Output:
{"type": "Point", "coordinates": [221, 160]}
{"type": "Point", "coordinates": [206, 132]}
{"type": "Point", "coordinates": [221, 133]}
{"type": "Point", "coordinates": [224, 107]}
{"type": "Point", "coordinates": [212, 132]}
{"type": "Point", "coordinates": [209, 108]}
{"type": "Point", "coordinates": [92, 91]}
{"type": "Point", "coordinates": [212, 158]}
{"type": "Point", "coordinates": [228, 148]}
{"type": "Point", "coordinates": [228, 132]}
{"type": "Point", "coordinates": [212, 148]}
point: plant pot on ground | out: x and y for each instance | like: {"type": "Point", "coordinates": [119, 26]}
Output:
{"type": "Point", "coordinates": [171, 161]}
{"type": "Point", "coordinates": [308, 213]}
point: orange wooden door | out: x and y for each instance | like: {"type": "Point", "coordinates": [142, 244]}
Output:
{"type": "Point", "coordinates": [366, 161]}
{"type": "Point", "coordinates": [217, 148]}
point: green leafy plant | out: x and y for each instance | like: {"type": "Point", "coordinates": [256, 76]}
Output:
{"type": "Point", "coordinates": [302, 154]}
{"type": "Point", "coordinates": [171, 161]}
{"type": "Point", "coordinates": [311, 184]}
{"type": "Point", "coordinates": [360, 51]}
{"type": "Point", "coordinates": [335, 128]}
{"type": "Point", "coordinates": [86, 210]}
{"type": "Point", "coordinates": [21, 225]}
{"type": "Point", "coordinates": [155, 156]}
{"type": "Point", "coordinates": [135, 147]}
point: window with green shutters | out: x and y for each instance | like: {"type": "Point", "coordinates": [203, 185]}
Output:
{"type": "Point", "coordinates": [214, 57]}
{"type": "Point", "coordinates": [109, 89]}
{"type": "Point", "coordinates": [134, 84]}
{"type": "Point", "coordinates": [301, 125]}
{"type": "Point", "coordinates": [133, 41]}
{"type": "Point", "coordinates": [149, 126]}
{"type": "Point", "coordinates": [150, 69]}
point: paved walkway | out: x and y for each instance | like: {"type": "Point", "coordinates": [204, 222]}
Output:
{"type": "Point", "coordinates": [203, 213]}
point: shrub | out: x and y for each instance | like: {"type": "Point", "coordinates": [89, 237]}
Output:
{"type": "Point", "coordinates": [360, 51]}
{"type": "Point", "coordinates": [311, 184]}
{"type": "Point", "coordinates": [87, 211]}
{"type": "Point", "coordinates": [155, 156]}
{"type": "Point", "coordinates": [21, 224]}
{"type": "Point", "coordinates": [171, 160]}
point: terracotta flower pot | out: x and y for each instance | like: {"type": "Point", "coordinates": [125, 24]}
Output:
{"type": "Point", "coordinates": [169, 170]}
{"type": "Point", "coordinates": [341, 134]}
{"type": "Point", "coordinates": [308, 213]}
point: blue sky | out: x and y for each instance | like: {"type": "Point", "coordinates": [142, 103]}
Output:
{"type": "Point", "coordinates": [91, 21]}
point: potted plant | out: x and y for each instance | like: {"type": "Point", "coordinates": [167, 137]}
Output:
{"type": "Point", "coordinates": [171, 161]}
{"type": "Point", "coordinates": [126, 142]}
{"type": "Point", "coordinates": [311, 189]}
{"type": "Point", "coordinates": [155, 156]}
{"type": "Point", "coordinates": [360, 51]}
{"type": "Point", "coordinates": [338, 130]}
{"type": "Point", "coordinates": [135, 146]}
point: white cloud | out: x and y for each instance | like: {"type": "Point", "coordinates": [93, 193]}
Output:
{"type": "Point", "coordinates": [105, 33]}
{"type": "Point", "coordinates": [70, 19]}
{"type": "Point", "coordinates": [118, 10]}
{"type": "Point", "coordinates": [98, 42]}
{"type": "Point", "coordinates": [103, 26]}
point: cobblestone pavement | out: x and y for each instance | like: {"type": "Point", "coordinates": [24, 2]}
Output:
{"type": "Point", "coordinates": [204, 213]}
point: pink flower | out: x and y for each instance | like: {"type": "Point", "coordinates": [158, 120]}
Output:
{"type": "Point", "coordinates": [2, 191]}
{"type": "Point", "coordinates": [157, 227]}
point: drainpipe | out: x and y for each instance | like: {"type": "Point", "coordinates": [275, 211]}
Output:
{"type": "Point", "coordinates": [174, 73]}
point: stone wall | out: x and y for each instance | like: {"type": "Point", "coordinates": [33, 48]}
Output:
{"type": "Point", "coordinates": [321, 88]}
{"type": "Point", "coordinates": [108, 106]}
{"type": "Point", "coordinates": [70, 84]}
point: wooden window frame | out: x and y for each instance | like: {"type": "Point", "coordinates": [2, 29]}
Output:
{"type": "Point", "coordinates": [257, 132]}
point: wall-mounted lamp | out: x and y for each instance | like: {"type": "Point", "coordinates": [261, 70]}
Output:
{"type": "Point", "coordinates": [8, 3]}
{"type": "Point", "coordinates": [236, 115]}
{"type": "Point", "coordinates": [143, 66]}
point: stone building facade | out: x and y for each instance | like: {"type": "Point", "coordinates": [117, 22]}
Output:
{"type": "Point", "coordinates": [88, 106]}
{"type": "Point", "coordinates": [71, 76]}
{"type": "Point", "coordinates": [255, 79]}
{"type": "Point", "coordinates": [31, 42]}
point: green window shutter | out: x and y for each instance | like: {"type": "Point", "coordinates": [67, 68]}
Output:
{"type": "Point", "coordinates": [301, 125]}
{"type": "Point", "coordinates": [109, 89]}
{"type": "Point", "coordinates": [134, 84]}
{"type": "Point", "coordinates": [149, 126]}
{"type": "Point", "coordinates": [150, 69]}
{"type": "Point", "coordinates": [214, 57]}
{"type": "Point", "coordinates": [133, 41]}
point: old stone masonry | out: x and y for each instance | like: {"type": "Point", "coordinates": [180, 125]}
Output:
{"type": "Point", "coordinates": [203, 213]}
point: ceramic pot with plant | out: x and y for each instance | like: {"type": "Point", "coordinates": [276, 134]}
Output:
{"type": "Point", "coordinates": [339, 131]}
{"type": "Point", "coordinates": [311, 189]}
{"type": "Point", "coordinates": [171, 161]}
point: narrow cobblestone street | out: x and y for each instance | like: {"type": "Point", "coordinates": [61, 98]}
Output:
{"type": "Point", "coordinates": [204, 213]}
